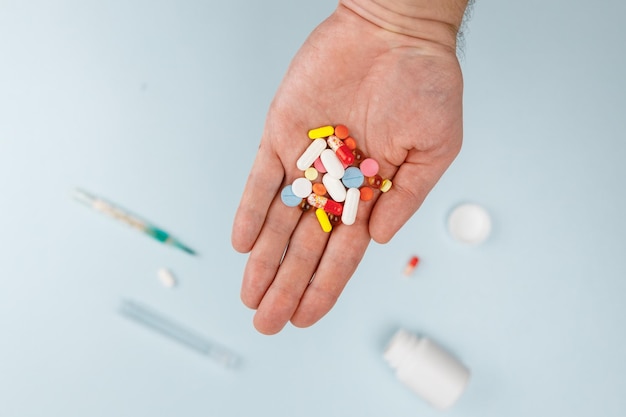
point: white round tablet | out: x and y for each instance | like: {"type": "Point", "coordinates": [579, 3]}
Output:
{"type": "Point", "coordinates": [302, 187]}
{"type": "Point", "coordinates": [469, 223]}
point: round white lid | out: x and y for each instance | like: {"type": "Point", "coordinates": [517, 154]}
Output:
{"type": "Point", "coordinates": [469, 223]}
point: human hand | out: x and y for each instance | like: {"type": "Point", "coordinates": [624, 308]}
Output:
{"type": "Point", "coordinates": [401, 98]}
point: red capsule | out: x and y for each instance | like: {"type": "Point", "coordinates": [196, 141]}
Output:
{"type": "Point", "coordinates": [344, 153]}
{"type": "Point", "coordinates": [410, 266]}
{"type": "Point", "coordinates": [329, 206]}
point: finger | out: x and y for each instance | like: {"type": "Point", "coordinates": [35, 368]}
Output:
{"type": "Point", "coordinates": [342, 255]}
{"type": "Point", "coordinates": [411, 185]}
{"type": "Point", "coordinates": [264, 181]}
{"type": "Point", "coordinates": [294, 274]}
{"type": "Point", "coordinates": [265, 256]}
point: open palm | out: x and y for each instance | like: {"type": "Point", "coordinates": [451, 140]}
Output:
{"type": "Point", "coordinates": [401, 98]}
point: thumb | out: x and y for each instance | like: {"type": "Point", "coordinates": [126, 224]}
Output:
{"type": "Point", "coordinates": [410, 186]}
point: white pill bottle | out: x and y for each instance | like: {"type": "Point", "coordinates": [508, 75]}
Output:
{"type": "Point", "coordinates": [427, 369]}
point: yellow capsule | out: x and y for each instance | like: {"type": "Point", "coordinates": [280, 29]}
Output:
{"type": "Point", "coordinates": [311, 174]}
{"type": "Point", "coordinates": [385, 186]}
{"type": "Point", "coordinates": [322, 217]}
{"type": "Point", "coordinates": [321, 132]}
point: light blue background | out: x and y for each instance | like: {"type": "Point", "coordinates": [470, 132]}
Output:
{"type": "Point", "coordinates": [159, 105]}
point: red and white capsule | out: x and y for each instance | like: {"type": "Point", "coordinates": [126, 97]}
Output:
{"type": "Point", "coordinates": [326, 204]}
{"type": "Point", "coordinates": [410, 266]}
{"type": "Point", "coordinates": [344, 153]}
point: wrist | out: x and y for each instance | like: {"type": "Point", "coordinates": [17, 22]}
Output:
{"type": "Point", "coordinates": [430, 20]}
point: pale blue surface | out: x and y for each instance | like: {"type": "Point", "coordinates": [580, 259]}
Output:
{"type": "Point", "coordinates": [159, 106]}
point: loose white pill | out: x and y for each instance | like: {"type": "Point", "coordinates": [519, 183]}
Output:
{"type": "Point", "coordinates": [334, 188]}
{"type": "Point", "coordinates": [166, 277]}
{"type": "Point", "coordinates": [351, 206]}
{"type": "Point", "coordinates": [302, 187]}
{"type": "Point", "coordinates": [469, 223]}
{"type": "Point", "coordinates": [332, 164]}
{"type": "Point", "coordinates": [310, 154]}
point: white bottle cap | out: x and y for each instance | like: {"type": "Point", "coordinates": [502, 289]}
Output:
{"type": "Point", "coordinates": [427, 369]}
{"type": "Point", "coordinates": [469, 223]}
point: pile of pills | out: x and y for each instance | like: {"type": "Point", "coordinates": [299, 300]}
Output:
{"type": "Point", "coordinates": [336, 176]}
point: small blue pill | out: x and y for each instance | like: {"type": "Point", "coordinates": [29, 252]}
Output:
{"type": "Point", "coordinates": [352, 178]}
{"type": "Point", "coordinates": [289, 198]}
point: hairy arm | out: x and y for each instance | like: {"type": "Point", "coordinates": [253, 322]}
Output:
{"type": "Point", "coordinates": [433, 20]}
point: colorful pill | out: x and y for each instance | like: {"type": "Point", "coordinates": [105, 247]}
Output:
{"type": "Point", "coordinates": [305, 206]}
{"type": "Point", "coordinates": [410, 266]}
{"type": "Point", "coordinates": [341, 131]}
{"type": "Point", "coordinates": [366, 193]}
{"type": "Point", "coordinates": [334, 219]}
{"type": "Point", "coordinates": [319, 189]}
{"type": "Point", "coordinates": [332, 163]}
{"type": "Point", "coordinates": [334, 187]}
{"type": "Point", "coordinates": [289, 198]}
{"type": "Point", "coordinates": [302, 187]}
{"type": "Point", "coordinates": [369, 167]}
{"type": "Point", "coordinates": [328, 205]}
{"type": "Point", "coordinates": [322, 218]}
{"type": "Point", "coordinates": [310, 154]}
{"type": "Point", "coordinates": [311, 174]}
{"type": "Point", "coordinates": [376, 181]}
{"type": "Point", "coordinates": [352, 178]}
{"type": "Point", "coordinates": [385, 186]}
{"type": "Point", "coordinates": [321, 132]}
{"type": "Point", "coordinates": [319, 166]}
{"type": "Point", "coordinates": [333, 207]}
{"type": "Point", "coordinates": [358, 155]}
{"type": "Point", "coordinates": [350, 143]}
{"type": "Point", "coordinates": [351, 206]}
{"type": "Point", "coordinates": [341, 150]}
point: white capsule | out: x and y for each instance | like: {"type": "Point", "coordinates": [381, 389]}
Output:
{"type": "Point", "coordinates": [334, 187]}
{"type": "Point", "coordinates": [351, 206]}
{"type": "Point", "coordinates": [332, 164]}
{"type": "Point", "coordinates": [310, 154]}
{"type": "Point", "coordinates": [302, 187]}
{"type": "Point", "coordinates": [166, 277]}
